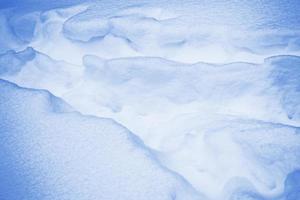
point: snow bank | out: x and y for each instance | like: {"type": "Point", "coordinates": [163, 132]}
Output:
{"type": "Point", "coordinates": [50, 152]}
{"type": "Point", "coordinates": [199, 118]}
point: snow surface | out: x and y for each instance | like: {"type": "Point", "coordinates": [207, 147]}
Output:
{"type": "Point", "coordinates": [210, 92]}
{"type": "Point", "coordinates": [49, 151]}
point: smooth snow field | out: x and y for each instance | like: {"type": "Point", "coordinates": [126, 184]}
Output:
{"type": "Point", "coordinates": [149, 100]}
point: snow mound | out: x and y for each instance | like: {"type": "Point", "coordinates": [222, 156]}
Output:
{"type": "Point", "coordinates": [50, 152]}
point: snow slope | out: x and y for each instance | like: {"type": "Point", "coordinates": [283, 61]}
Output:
{"type": "Point", "coordinates": [212, 89]}
{"type": "Point", "coordinates": [48, 151]}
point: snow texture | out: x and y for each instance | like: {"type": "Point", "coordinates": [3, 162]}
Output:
{"type": "Point", "coordinates": [153, 99]}
{"type": "Point", "coordinates": [48, 151]}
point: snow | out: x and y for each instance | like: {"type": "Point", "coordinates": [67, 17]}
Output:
{"type": "Point", "coordinates": [48, 151]}
{"type": "Point", "coordinates": [168, 100]}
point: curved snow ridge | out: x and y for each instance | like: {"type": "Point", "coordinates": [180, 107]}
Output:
{"type": "Point", "coordinates": [116, 84]}
{"type": "Point", "coordinates": [64, 155]}
{"type": "Point", "coordinates": [33, 69]}
{"type": "Point", "coordinates": [274, 82]}
{"type": "Point", "coordinates": [144, 31]}
{"type": "Point", "coordinates": [11, 62]}
{"type": "Point", "coordinates": [121, 29]}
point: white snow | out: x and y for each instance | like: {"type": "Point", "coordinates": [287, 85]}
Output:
{"type": "Point", "coordinates": [211, 88]}
{"type": "Point", "coordinates": [49, 151]}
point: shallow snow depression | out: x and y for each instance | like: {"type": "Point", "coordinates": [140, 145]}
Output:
{"type": "Point", "coordinates": [153, 100]}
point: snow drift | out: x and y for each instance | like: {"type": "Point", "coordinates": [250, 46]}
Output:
{"type": "Point", "coordinates": [211, 88]}
{"type": "Point", "coordinates": [48, 151]}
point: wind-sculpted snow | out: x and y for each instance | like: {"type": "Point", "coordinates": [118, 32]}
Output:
{"type": "Point", "coordinates": [132, 82]}
{"type": "Point", "coordinates": [123, 29]}
{"type": "Point", "coordinates": [211, 87]}
{"type": "Point", "coordinates": [286, 75]}
{"type": "Point", "coordinates": [37, 70]}
{"type": "Point", "coordinates": [12, 62]}
{"type": "Point", "coordinates": [229, 155]}
{"type": "Point", "coordinates": [50, 152]}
